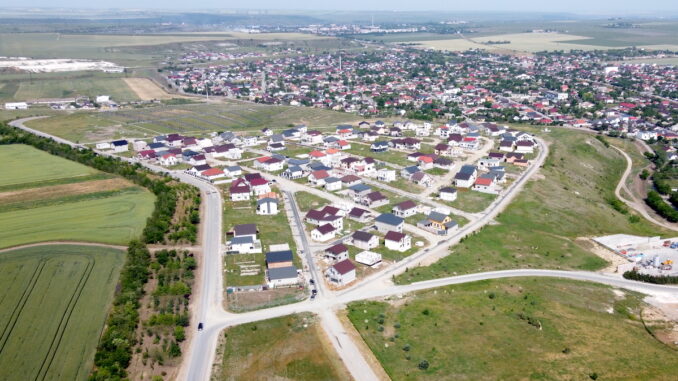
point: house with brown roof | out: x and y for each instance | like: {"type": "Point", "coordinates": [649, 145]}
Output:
{"type": "Point", "coordinates": [397, 241]}
{"type": "Point", "coordinates": [364, 240]}
{"type": "Point", "coordinates": [323, 233]}
{"type": "Point", "coordinates": [374, 199]}
{"type": "Point", "coordinates": [405, 209]}
{"type": "Point", "coordinates": [341, 273]}
{"type": "Point", "coordinates": [336, 253]}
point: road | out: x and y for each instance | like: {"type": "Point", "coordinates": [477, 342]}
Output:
{"type": "Point", "coordinates": [208, 296]}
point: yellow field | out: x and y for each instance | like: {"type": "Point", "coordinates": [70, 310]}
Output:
{"type": "Point", "coordinates": [147, 90]}
{"type": "Point", "coordinates": [258, 36]}
{"type": "Point", "coordinates": [522, 42]}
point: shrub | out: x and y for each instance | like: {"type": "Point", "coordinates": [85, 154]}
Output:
{"type": "Point", "coordinates": [423, 365]}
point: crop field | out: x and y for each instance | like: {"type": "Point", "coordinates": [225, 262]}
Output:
{"type": "Point", "coordinates": [511, 329]}
{"type": "Point", "coordinates": [67, 87]}
{"type": "Point", "coordinates": [66, 201]}
{"type": "Point", "coordinates": [566, 200]}
{"type": "Point", "coordinates": [525, 42]}
{"type": "Point", "coordinates": [287, 348]}
{"type": "Point", "coordinates": [195, 119]}
{"type": "Point", "coordinates": [52, 309]}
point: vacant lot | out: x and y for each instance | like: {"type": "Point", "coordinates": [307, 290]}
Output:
{"type": "Point", "coordinates": [72, 203]}
{"type": "Point", "coordinates": [287, 348]}
{"type": "Point", "coordinates": [514, 329]}
{"type": "Point", "coordinates": [568, 198]}
{"type": "Point", "coordinates": [52, 309]}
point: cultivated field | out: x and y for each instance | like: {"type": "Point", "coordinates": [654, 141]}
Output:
{"type": "Point", "coordinates": [525, 42]}
{"type": "Point", "coordinates": [287, 348]}
{"type": "Point", "coordinates": [67, 87]}
{"type": "Point", "coordinates": [514, 329]}
{"type": "Point", "coordinates": [195, 119]}
{"type": "Point", "coordinates": [567, 199]}
{"type": "Point", "coordinates": [66, 201]}
{"type": "Point", "coordinates": [145, 89]}
{"type": "Point", "coordinates": [52, 309]}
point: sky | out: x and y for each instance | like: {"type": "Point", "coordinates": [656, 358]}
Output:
{"type": "Point", "coordinates": [541, 6]}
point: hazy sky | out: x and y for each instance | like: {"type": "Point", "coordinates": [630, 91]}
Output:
{"type": "Point", "coordinates": [574, 6]}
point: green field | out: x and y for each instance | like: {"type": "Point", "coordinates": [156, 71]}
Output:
{"type": "Point", "coordinates": [515, 329]}
{"type": "Point", "coordinates": [471, 201]}
{"type": "Point", "coordinates": [25, 164]}
{"type": "Point", "coordinates": [66, 87]}
{"type": "Point", "coordinates": [75, 202]}
{"type": "Point", "coordinates": [287, 348]}
{"type": "Point", "coordinates": [307, 201]}
{"type": "Point", "coordinates": [52, 309]}
{"type": "Point", "coordinates": [195, 119]}
{"type": "Point", "coordinates": [566, 200]}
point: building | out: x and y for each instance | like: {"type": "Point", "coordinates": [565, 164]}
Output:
{"type": "Point", "coordinates": [388, 222]}
{"type": "Point", "coordinates": [448, 194]}
{"type": "Point", "coordinates": [120, 145]}
{"type": "Point", "coordinates": [341, 273]}
{"type": "Point", "coordinates": [243, 245]}
{"type": "Point", "coordinates": [397, 241]}
{"type": "Point", "coordinates": [277, 259]}
{"type": "Point", "coordinates": [438, 223]}
{"type": "Point", "coordinates": [368, 258]}
{"type": "Point", "coordinates": [267, 206]}
{"type": "Point", "coordinates": [364, 240]}
{"type": "Point", "coordinates": [336, 253]}
{"type": "Point", "coordinates": [324, 233]}
{"type": "Point", "coordinates": [405, 209]}
{"type": "Point", "coordinates": [283, 277]}
{"type": "Point", "coordinates": [360, 215]}
{"type": "Point", "coordinates": [16, 106]}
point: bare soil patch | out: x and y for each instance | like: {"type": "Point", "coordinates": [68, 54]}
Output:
{"type": "Point", "coordinates": [147, 90]}
{"type": "Point", "coordinates": [63, 190]}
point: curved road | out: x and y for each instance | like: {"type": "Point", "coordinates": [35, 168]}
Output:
{"type": "Point", "coordinates": [209, 293]}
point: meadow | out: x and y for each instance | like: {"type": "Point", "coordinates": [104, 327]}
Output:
{"type": "Point", "coordinates": [52, 310]}
{"type": "Point", "coordinates": [286, 348]}
{"type": "Point", "coordinates": [66, 201]}
{"type": "Point", "coordinates": [527, 328]}
{"type": "Point", "coordinates": [67, 86]}
{"type": "Point", "coordinates": [567, 199]}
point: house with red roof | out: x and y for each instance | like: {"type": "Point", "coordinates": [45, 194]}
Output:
{"type": "Point", "coordinates": [213, 174]}
{"type": "Point", "coordinates": [323, 233]}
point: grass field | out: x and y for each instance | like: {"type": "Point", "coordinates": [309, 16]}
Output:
{"type": "Point", "coordinates": [195, 119]}
{"type": "Point", "coordinates": [514, 329]}
{"type": "Point", "coordinates": [287, 348]}
{"type": "Point", "coordinates": [66, 201]}
{"type": "Point", "coordinates": [52, 309]}
{"type": "Point", "coordinates": [471, 201]}
{"type": "Point", "coordinates": [526, 42]}
{"type": "Point", "coordinates": [307, 201]}
{"type": "Point", "coordinates": [67, 87]}
{"type": "Point", "coordinates": [566, 200]}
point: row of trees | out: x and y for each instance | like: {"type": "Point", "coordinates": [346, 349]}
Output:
{"type": "Point", "coordinates": [661, 180]}
{"type": "Point", "coordinates": [647, 278]}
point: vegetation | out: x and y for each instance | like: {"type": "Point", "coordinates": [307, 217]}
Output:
{"type": "Point", "coordinates": [541, 227]}
{"type": "Point", "coordinates": [307, 201]}
{"type": "Point", "coordinates": [68, 86]}
{"type": "Point", "coordinates": [664, 279]}
{"type": "Point", "coordinates": [53, 309]}
{"type": "Point", "coordinates": [526, 328]}
{"type": "Point", "coordinates": [291, 347]}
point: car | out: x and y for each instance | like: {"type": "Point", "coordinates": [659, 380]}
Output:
{"type": "Point", "coordinates": [311, 281]}
{"type": "Point", "coordinates": [313, 296]}
{"type": "Point", "coordinates": [200, 326]}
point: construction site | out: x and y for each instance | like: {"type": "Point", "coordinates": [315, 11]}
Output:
{"type": "Point", "coordinates": [647, 255]}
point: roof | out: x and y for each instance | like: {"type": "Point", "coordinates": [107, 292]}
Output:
{"type": "Point", "coordinates": [389, 219]}
{"type": "Point", "coordinates": [257, 182]}
{"type": "Point", "coordinates": [405, 205]}
{"type": "Point", "coordinates": [448, 190]}
{"type": "Point", "coordinates": [267, 200]}
{"type": "Point", "coordinates": [435, 216]}
{"type": "Point", "coordinates": [362, 236]}
{"type": "Point", "coordinates": [244, 229]}
{"type": "Point", "coordinates": [324, 229]}
{"type": "Point", "coordinates": [279, 256]}
{"type": "Point", "coordinates": [241, 240]}
{"type": "Point", "coordinates": [344, 267]}
{"type": "Point", "coordinates": [394, 236]}
{"type": "Point", "coordinates": [337, 249]}
{"type": "Point", "coordinates": [357, 212]}
{"type": "Point", "coordinates": [350, 178]}
{"type": "Point", "coordinates": [359, 188]}
{"type": "Point", "coordinates": [484, 181]}
{"type": "Point", "coordinates": [288, 272]}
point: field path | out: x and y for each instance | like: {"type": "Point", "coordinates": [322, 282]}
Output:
{"type": "Point", "coordinates": [48, 243]}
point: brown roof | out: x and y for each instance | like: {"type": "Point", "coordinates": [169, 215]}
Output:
{"type": "Point", "coordinates": [337, 249]}
{"type": "Point", "coordinates": [394, 236]}
{"type": "Point", "coordinates": [344, 266]}
{"type": "Point", "coordinates": [405, 205]}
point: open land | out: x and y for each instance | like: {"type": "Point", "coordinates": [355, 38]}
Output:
{"type": "Point", "coordinates": [52, 310]}
{"type": "Point", "coordinates": [514, 329]}
{"type": "Point", "coordinates": [66, 201]}
{"type": "Point", "coordinates": [67, 86]}
{"type": "Point", "coordinates": [568, 199]}
{"type": "Point", "coordinates": [287, 348]}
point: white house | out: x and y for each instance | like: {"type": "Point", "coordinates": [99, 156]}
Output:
{"type": "Point", "coordinates": [168, 160]}
{"type": "Point", "coordinates": [283, 277]}
{"type": "Point", "coordinates": [364, 240]}
{"type": "Point", "coordinates": [16, 106]}
{"type": "Point", "coordinates": [448, 194]}
{"type": "Point", "coordinates": [102, 146]}
{"type": "Point", "coordinates": [120, 146]}
{"type": "Point", "coordinates": [341, 273]}
{"type": "Point", "coordinates": [398, 241]}
{"type": "Point", "coordinates": [386, 175]}
{"type": "Point", "coordinates": [267, 206]}
{"type": "Point", "coordinates": [323, 233]}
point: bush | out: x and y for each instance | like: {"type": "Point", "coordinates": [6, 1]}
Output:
{"type": "Point", "coordinates": [635, 275]}
{"type": "Point", "coordinates": [656, 202]}
{"type": "Point", "coordinates": [423, 365]}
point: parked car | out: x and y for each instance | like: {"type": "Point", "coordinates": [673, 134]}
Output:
{"type": "Point", "coordinates": [200, 326]}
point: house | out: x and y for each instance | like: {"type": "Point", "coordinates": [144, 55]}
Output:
{"type": "Point", "coordinates": [487, 162]}
{"type": "Point", "coordinates": [397, 241]}
{"type": "Point", "coordinates": [120, 145]}
{"type": "Point", "coordinates": [168, 160]}
{"type": "Point", "coordinates": [332, 184]}
{"type": "Point", "coordinates": [197, 160]}
{"type": "Point", "coordinates": [139, 145]}
{"type": "Point", "coordinates": [386, 175]}
{"type": "Point", "coordinates": [318, 177]}
{"type": "Point", "coordinates": [267, 206]}
{"type": "Point", "coordinates": [423, 179]}
{"type": "Point", "coordinates": [271, 164]}
{"type": "Point", "coordinates": [233, 171]}
{"type": "Point", "coordinates": [277, 259]}
{"type": "Point", "coordinates": [213, 174]}
{"type": "Point", "coordinates": [407, 172]}
{"type": "Point", "coordinates": [364, 240]}
{"type": "Point", "coordinates": [386, 222]}
{"type": "Point", "coordinates": [341, 273]}
{"type": "Point", "coordinates": [245, 230]}
{"type": "Point", "coordinates": [405, 209]}
{"type": "Point", "coordinates": [443, 163]}
{"type": "Point", "coordinates": [293, 173]}
{"type": "Point", "coordinates": [103, 146]}
{"type": "Point", "coordinates": [312, 137]}
{"type": "Point", "coordinates": [260, 186]}
{"type": "Point", "coordinates": [374, 200]}
{"type": "Point", "coordinates": [485, 184]}
{"type": "Point", "coordinates": [448, 194]}
{"type": "Point", "coordinates": [425, 162]}
{"type": "Point", "coordinates": [283, 277]}
{"type": "Point", "coordinates": [443, 149]}
{"type": "Point", "coordinates": [240, 190]}
{"type": "Point", "coordinates": [368, 258]}
{"type": "Point", "coordinates": [146, 154]}
{"type": "Point", "coordinates": [506, 146]}
{"type": "Point", "coordinates": [336, 253]}
{"type": "Point", "coordinates": [323, 233]}
{"type": "Point", "coordinates": [359, 191]}
{"type": "Point", "coordinates": [438, 223]}
{"type": "Point", "coordinates": [350, 180]}
{"type": "Point", "coordinates": [243, 245]}
{"type": "Point", "coordinates": [466, 176]}
{"type": "Point", "coordinates": [524, 146]}
{"type": "Point", "coordinates": [360, 215]}
{"type": "Point", "coordinates": [470, 143]}
{"type": "Point", "coordinates": [410, 144]}
{"type": "Point", "coordinates": [379, 147]}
